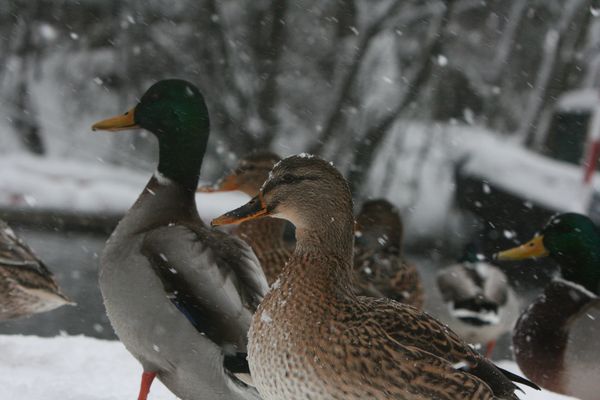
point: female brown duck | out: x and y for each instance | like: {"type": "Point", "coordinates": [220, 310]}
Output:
{"type": "Point", "coordinates": [26, 286]}
{"type": "Point", "coordinates": [312, 337]}
{"type": "Point", "coordinates": [378, 262]}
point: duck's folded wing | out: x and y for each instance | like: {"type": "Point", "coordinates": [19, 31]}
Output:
{"type": "Point", "coordinates": [210, 279]}
{"type": "Point", "coordinates": [400, 369]}
{"type": "Point", "coordinates": [413, 328]}
{"type": "Point", "coordinates": [14, 253]}
{"type": "Point", "coordinates": [22, 265]}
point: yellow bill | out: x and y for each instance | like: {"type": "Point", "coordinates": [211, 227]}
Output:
{"type": "Point", "coordinates": [118, 123]}
{"type": "Point", "coordinates": [533, 249]}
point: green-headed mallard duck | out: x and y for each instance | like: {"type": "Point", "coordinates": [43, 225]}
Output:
{"type": "Point", "coordinates": [180, 296]}
{"type": "Point", "coordinates": [381, 270]}
{"type": "Point", "coordinates": [265, 235]}
{"type": "Point", "coordinates": [313, 337]}
{"type": "Point", "coordinates": [556, 339]}
{"type": "Point", "coordinates": [26, 285]}
{"type": "Point", "coordinates": [481, 304]}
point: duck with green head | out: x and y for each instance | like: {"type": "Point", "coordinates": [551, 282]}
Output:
{"type": "Point", "coordinates": [179, 295]}
{"type": "Point", "coordinates": [555, 339]}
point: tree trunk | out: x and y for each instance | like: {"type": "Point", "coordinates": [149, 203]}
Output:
{"type": "Point", "coordinates": [559, 50]}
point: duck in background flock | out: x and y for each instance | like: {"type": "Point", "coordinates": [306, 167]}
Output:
{"type": "Point", "coordinates": [481, 304]}
{"type": "Point", "coordinates": [313, 337]}
{"type": "Point", "coordinates": [179, 295]}
{"type": "Point", "coordinates": [27, 286]}
{"type": "Point", "coordinates": [556, 339]}
{"type": "Point", "coordinates": [378, 263]}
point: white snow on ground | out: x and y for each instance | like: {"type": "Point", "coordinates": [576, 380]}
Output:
{"type": "Point", "coordinates": [78, 186]}
{"type": "Point", "coordinates": [70, 368]}
{"type": "Point", "coordinates": [83, 368]}
{"type": "Point", "coordinates": [531, 394]}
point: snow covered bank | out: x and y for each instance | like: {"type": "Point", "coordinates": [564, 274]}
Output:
{"type": "Point", "coordinates": [70, 368]}
{"type": "Point", "coordinates": [83, 368]}
{"type": "Point", "coordinates": [78, 186]}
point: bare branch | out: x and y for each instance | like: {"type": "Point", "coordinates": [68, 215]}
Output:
{"type": "Point", "coordinates": [267, 98]}
{"type": "Point", "coordinates": [365, 148]}
{"type": "Point", "coordinates": [335, 114]}
{"type": "Point", "coordinates": [558, 53]}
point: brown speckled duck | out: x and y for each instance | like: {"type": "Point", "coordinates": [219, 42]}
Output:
{"type": "Point", "coordinates": [312, 337]}
{"type": "Point", "coordinates": [556, 340]}
{"type": "Point", "coordinates": [264, 235]}
{"type": "Point", "coordinates": [26, 285]}
{"type": "Point", "coordinates": [381, 271]}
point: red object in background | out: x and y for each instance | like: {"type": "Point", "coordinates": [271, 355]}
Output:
{"type": "Point", "coordinates": [591, 162]}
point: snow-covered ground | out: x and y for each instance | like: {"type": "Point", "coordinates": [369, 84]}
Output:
{"type": "Point", "coordinates": [83, 368]}
{"type": "Point", "coordinates": [70, 368]}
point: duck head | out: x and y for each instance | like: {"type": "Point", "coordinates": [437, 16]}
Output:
{"type": "Point", "coordinates": [175, 112]}
{"type": "Point", "coordinates": [249, 175]}
{"type": "Point", "coordinates": [307, 191]}
{"type": "Point", "coordinates": [379, 225]}
{"type": "Point", "coordinates": [573, 241]}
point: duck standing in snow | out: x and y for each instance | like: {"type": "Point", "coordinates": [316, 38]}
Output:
{"type": "Point", "coordinates": [556, 340]}
{"type": "Point", "coordinates": [180, 296]}
{"type": "Point", "coordinates": [264, 235]}
{"type": "Point", "coordinates": [312, 337]}
{"type": "Point", "coordinates": [481, 304]}
{"type": "Point", "coordinates": [26, 285]}
{"type": "Point", "coordinates": [378, 263]}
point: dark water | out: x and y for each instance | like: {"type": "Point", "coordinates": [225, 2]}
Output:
{"type": "Point", "coordinates": [73, 257]}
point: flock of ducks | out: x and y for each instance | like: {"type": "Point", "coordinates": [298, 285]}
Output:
{"type": "Point", "coordinates": [337, 314]}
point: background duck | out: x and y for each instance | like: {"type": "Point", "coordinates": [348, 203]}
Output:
{"type": "Point", "coordinates": [555, 340]}
{"type": "Point", "coordinates": [481, 304]}
{"type": "Point", "coordinates": [313, 337]}
{"type": "Point", "coordinates": [265, 235]}
{"type": "Point", "coordinates": [26, 285]}
{"type": "Point", "coordinates": [179, 295]}
{"type": "Point", "coordinates": [378, 264]}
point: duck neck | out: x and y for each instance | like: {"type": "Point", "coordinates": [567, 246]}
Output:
{"type": "Point", "coordinates": [322, 259]}
{"type": "Point", "coordinates": [263, 234]}
{"type": "Point", "coordinates": [181, 152]}
{"type": "Point", "coordinates": [582, 268]}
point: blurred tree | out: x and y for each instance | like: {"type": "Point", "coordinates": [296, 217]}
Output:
{"type": "Point", "coordinates": [334, 77]}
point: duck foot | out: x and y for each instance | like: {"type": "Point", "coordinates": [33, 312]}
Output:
{"type": "Point", "coordinates": [489, 349]}
{"type": "Point", "coordinates": [147, 378]}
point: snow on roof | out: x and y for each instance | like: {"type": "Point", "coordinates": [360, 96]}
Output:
{"type": "Point", "coordinates": [583, 99]}
{"type": "Point", "coordinates": [542, 180]}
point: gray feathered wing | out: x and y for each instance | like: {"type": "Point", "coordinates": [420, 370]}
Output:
{"type": "Point", "coordinates": [213, 279]}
